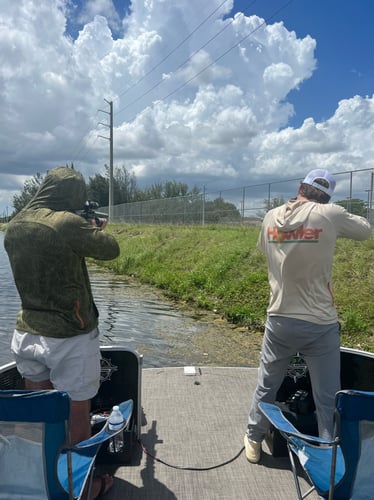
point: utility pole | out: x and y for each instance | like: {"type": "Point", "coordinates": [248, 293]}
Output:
{"type": "Point", "coordinates": [371, 219]}
{"type": "Point", "coordinates": [110, 139]}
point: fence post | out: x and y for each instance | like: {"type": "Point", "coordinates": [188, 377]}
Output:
{"type": "Point", "coordinates": [203, 208]}
{"type": "Point", "coordinates": [269, 195]}
{"type": "Point", "coordinates": [371, 198]}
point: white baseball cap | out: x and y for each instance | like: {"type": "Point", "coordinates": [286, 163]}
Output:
{"type": "Point", "coordinates": [313, 177]}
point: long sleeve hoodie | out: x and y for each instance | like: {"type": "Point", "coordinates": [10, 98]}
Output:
{"type": "Point", "coordinates": [298, 239]}
{"type": "Point", "coordinates": [47, 243]}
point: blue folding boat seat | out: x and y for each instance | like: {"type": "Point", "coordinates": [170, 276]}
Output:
{"type": "Point", "coordinates": [342, 468]}
{"type": "Point", "coordinates": [36, 460]}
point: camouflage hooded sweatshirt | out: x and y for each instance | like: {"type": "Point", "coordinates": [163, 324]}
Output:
{"type": "Point", "coordinates": [47, 243]}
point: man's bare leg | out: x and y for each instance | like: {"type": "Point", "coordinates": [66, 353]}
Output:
{"type": "Point", "coordinates": [42, 385]}
{"type": "Point", "coordinates": [80, 429]}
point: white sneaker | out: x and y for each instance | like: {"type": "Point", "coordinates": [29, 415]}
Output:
{"type": "Point", "coordinates": [252, 450]}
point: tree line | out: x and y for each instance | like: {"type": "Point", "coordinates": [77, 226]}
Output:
{"type": "Point", "coordinates": [126, 190]}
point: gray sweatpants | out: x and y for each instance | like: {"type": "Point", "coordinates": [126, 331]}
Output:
{"type": "Point", "coordinates": [320, 347]}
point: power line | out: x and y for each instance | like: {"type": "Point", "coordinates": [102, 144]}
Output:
{"type": "Point", "coordinates": [172, 51]}
{"type": "Point", "coordinates": [180, 87]}
{"type": "Point", "coordinates": [79, 149]}
{"type": "Point", "coordinates": [266, 21]}
{"type": "Point", "coordinates": [181, 65]}
{"type": "Point", "coordinates": [226, 52]}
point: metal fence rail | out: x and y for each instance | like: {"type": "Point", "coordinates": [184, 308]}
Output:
{"type": "Point", "coordinates": [247, 204]}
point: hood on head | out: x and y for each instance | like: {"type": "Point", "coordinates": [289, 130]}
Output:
{"type": "Point", "coordinates": [62, 189]}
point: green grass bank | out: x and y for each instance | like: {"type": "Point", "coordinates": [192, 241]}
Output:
{"type": "Point", "coordinates": [219, 268]}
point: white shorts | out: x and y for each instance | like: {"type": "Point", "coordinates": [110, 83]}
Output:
{"type": "Point", "coordinates": [71, 364]}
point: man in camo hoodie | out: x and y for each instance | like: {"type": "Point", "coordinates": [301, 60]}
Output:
{"type": "Point", "coordinates": [56, 340]}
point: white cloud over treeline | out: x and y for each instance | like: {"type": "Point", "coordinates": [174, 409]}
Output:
{"type": "Point", "coordinates": [199, 95]}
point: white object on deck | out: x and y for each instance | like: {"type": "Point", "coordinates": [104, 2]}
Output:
{"type": "Point", "coordinates": [189, 370]}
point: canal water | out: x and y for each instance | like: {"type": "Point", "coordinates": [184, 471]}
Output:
{"type": "Point", "coordinates": [130, 315]}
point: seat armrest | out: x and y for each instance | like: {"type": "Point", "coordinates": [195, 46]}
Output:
{"type": "Point", "coordinates": [276, 417]}
{"type": "Point", "coordinates": [104, 434]}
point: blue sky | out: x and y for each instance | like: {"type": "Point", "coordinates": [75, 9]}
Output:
{"type": "Point", "coordinates": [216, 94]}
{"type": "Point", "coordinates": [344, 31]}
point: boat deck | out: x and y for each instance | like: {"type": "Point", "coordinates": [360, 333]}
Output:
{"type": "Point", "coordinates": [198, 421]}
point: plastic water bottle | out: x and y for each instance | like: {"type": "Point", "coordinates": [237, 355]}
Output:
{"type": "Point", "coordinates": [116, 444]}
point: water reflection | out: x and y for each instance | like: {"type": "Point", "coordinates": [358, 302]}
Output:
{"type": "Point", "coordinates": [129, 315]}
{"type": "Point", "coordinates": [136, 317]}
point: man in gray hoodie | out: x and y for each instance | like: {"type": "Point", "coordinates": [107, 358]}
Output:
{"type": "Point", "coordinates": [298, 239]}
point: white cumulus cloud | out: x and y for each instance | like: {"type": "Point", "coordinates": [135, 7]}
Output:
{"type": "Point", "coordinates": [199, 95]}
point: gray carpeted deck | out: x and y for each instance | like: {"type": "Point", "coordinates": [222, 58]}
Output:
{"type": "Point", "coordinates": [199, 421]}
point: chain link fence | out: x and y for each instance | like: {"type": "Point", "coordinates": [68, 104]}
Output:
{"type": "Point", "coordinates": [244, 205]}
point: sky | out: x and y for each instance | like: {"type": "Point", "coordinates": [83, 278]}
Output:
{"type": "Point", "coordinates": [216, 94]}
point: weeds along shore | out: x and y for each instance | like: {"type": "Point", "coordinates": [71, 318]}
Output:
{"type": "Point", "coordinates": [219, 268]}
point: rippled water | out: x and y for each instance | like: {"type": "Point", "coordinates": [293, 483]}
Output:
{"type": "Point", "coordinates": [129, 315]}
{"type": "Point", "coordinates": [9, 304]}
